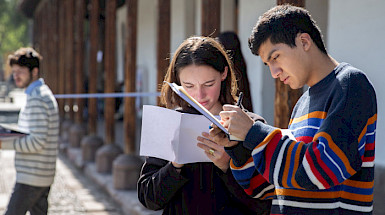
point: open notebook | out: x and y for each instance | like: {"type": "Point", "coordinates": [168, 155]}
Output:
{"type": "Point", "coordinates": [180, 91]}
{"type": "Point", "coordinates": [11, 130]}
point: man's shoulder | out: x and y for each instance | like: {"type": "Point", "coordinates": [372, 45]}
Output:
{"type": "Point", "coordinates": [41, 94]}
{"type": "Point", "coordinates": [349, 74]}
{"type": "Point", "coordinates": [357, 83]}
{"type": "Point", "coordinates": [41, 91]}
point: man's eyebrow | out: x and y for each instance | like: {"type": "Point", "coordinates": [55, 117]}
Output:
{"type": "Point", "coordinates": [269, 55]}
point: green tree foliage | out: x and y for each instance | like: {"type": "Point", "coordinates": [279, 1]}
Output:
{"type": "Point", "coordinates": [13, 28]}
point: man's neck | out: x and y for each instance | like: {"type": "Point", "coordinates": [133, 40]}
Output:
{"type": "Point", "coordinates": [31, 86]}
{"type": "Point", "coordinates": [322, 67]}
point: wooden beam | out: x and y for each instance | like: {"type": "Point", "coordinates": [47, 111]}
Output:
{"type": "Point", "coordinates": [69, 64]}
{"type": "Point", "coordinates": [49, 34]}
{"type": "Point", "coordinates": [211, 17]}
{"type": "Point", "coordinates": [285, 97]}
{"type": "Point", "coordinates": [93, 69]}
{"type": "Point", "coordinates": [80, 7]}
{"type": "Point", "coordinates": [163, 40]}
{"type": "Point", "coordinates": [61, 55]}
{"type": "Point", "coordinates": [54, 46]}
{"type": "Point", "coordinates": [110, 73]}
{"type": "Point", "coordinates": [129, 118]}
{"type": "Point", "coordinates": [43, 15]}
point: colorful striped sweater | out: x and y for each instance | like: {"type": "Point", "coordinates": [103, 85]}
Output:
{"type": "Point", "coordinates": [329, 167]}
{"type": "Point", "coordinates": [36, 153]}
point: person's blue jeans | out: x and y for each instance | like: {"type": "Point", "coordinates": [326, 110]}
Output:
{"type": "Point", "coordinates": [28, 198]}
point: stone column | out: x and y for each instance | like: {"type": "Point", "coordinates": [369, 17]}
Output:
{"type": "Point", "coordinates": [126, 167]}
{"type": "Point", "coordinates": [107, 153]}
{"type": "Point", "coordinates": [65, 122]}
{"type": "Point", "coordinates": [91, 143]}
{"type": "Point", "coordinates": [78, 129]}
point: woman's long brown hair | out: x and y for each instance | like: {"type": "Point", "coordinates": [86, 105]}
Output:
{"type": "Point", "coordinates": [199, 51]}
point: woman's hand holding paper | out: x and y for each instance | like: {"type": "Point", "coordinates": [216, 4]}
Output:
{"type": "Point", "coordinates": [177, 165]}
{"type": "Point", "coordinates": [214, 151]}
{"type": "Point", "coordinates": [218, 136]}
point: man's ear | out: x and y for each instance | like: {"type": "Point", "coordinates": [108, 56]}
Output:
{"type": "Point", "coordinates": [305, 41]}
{"type": "Point", "coordinates": [224, 74]}
{"type": "Point", "coordinates": [35, 72]}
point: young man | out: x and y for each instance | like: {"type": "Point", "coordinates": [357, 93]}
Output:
{"type": "Point", "coordinates": [328, 166]}
{"type": "Point", "coordinates": [36, 153]}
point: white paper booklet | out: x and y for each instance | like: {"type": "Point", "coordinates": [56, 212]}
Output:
{"type": "Point", "coordinates": [185, 96]}
{"type": "Point", "coordinates": [11, 131]}
{"type": "Point", "coordinates": [172, 135]}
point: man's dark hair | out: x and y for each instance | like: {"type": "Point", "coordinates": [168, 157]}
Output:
{"type": "Point", "coordinates": [27, 57]}
{"type": "Point", "coordinates": [281, 24]}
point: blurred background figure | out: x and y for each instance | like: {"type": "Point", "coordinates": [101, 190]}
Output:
{"type": "Point", "coordinates": [230, 42]}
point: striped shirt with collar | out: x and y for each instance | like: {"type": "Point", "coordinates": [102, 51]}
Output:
{"type": "Point", "coordinates": [36, 153]}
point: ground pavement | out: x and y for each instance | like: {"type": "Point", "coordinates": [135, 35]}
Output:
{"type": "Point", "coordinates": [71, 193]}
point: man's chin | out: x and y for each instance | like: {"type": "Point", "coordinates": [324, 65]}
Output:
{"type": "Point", "coordinates": [19, 85]}
{"type": "Point", "coordinates": [295, 87]}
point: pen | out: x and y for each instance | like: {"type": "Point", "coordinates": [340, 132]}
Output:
{"type": "Point", "coordinates": [239, 103]}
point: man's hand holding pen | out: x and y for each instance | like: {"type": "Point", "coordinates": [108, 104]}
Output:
{"type": "Point", "coordinates": [235, 120]}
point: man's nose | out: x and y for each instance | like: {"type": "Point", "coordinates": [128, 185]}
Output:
{"type": "Point", "coordinates": [275, 71]}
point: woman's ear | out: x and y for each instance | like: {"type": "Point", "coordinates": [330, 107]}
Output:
{"type": "Point", "coordinates": [224, 74]}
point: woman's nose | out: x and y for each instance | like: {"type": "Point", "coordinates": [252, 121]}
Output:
{"type": "Point", "coordinates": [200, 93]}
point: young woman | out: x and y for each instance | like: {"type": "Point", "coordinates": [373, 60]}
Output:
{"type": "Point", "coordinates": [203, 68]}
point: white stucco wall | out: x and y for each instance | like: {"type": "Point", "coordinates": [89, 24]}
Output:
{"type": "Point", "coordinates": [146, 40]}
{"type": "Point", "coordinates": [146, 46]}
{"type": "Point", "coordinates": [260, 80]}
{"type": "Point", "coordinates": [121, 17]}
{"type": "Point", "coordinates": [182, 22]}
{"type": "Point", "coordinates": [227, 16]}
{"type": "Point", "coordinates": [198, 15]}
{"type": "Point", "coordinates": [356, 35]}
{"type": "Point", "coordinates": [319, 10]}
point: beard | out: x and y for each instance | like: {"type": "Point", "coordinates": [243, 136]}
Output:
{"type": "Point", "coordinates": [20, 83]}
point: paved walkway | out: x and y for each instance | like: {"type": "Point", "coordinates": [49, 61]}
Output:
{"type": "Point", "coordinates": [71, 193]}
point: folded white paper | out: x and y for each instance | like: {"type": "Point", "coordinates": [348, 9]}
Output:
{"type": "Point", "coordinates": [11, 131]}
{"type": "Point", "coordinates": [172, 136]}
{"type": "Point", "coordinates": [180, 91]}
